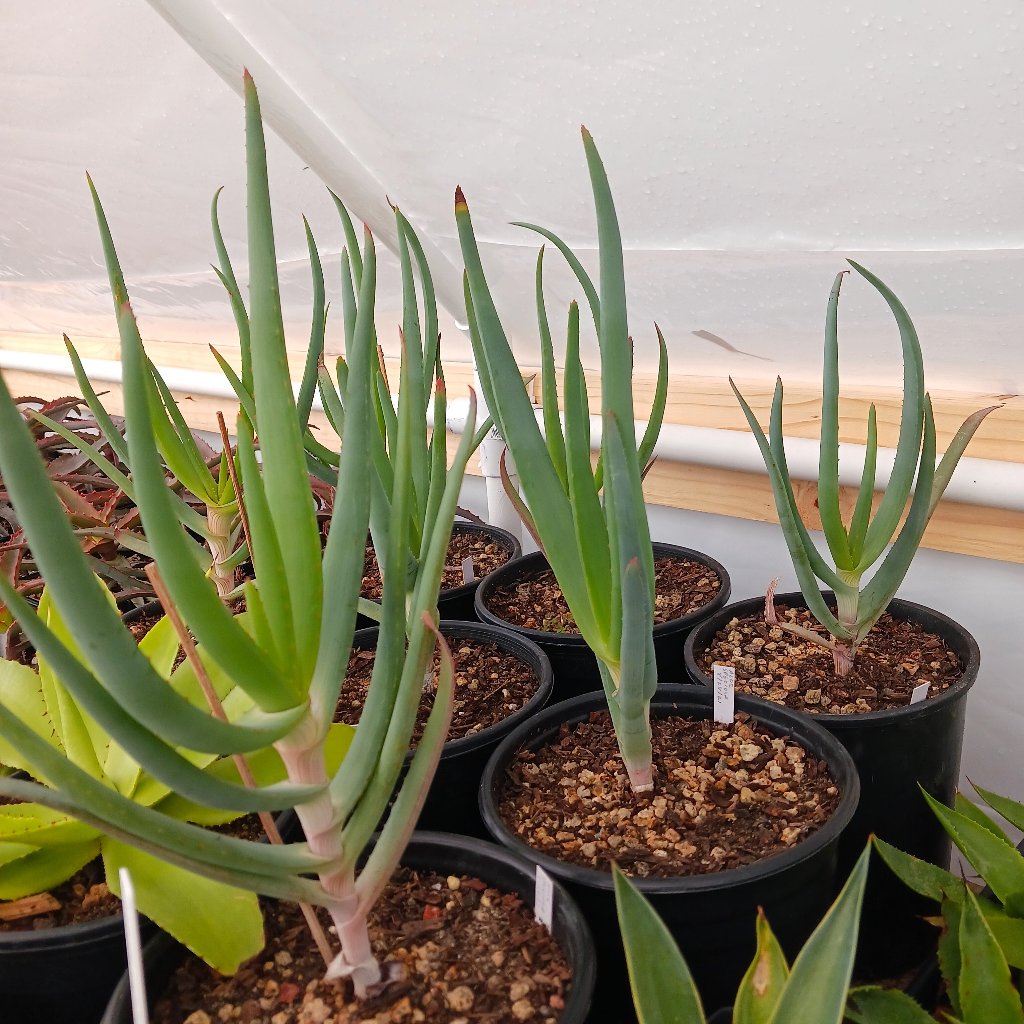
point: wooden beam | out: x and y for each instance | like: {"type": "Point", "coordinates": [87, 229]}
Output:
{"type": "Point", "coordinates": [701, 401]}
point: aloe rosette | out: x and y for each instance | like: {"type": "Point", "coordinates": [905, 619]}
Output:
{"type": "Point", "coordinates": [857, 547]}
{"type": "Point", "coordinates": [290, 660]}
{"type": "Point", "coordinates": [591, 522]}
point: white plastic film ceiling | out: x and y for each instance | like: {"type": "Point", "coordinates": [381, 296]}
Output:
{"type": "Point", "coordinates": [751, 146]}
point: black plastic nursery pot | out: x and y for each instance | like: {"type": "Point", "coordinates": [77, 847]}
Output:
{"type": "Point", "coordinates": [460, 602]}
{"type": "Point", "coordinates": [447, 854]}
{"type": "Point", "coordinates": [452, 804]}
{"type": "Point", "coordinates": [62, 975]}
{"type": "Point", "coordinates": [572, 661]}
{"type": "Point", "coordinates": [897, 752]}
{"type": "Point", "coordinates": [712, 916]}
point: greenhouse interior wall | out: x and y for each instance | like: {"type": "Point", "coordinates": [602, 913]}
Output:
{"type": "Point", "coordinates": [752, 148]}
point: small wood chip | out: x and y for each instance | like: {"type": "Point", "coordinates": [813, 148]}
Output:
{"type": "Point", "coordinates": [28, 906]}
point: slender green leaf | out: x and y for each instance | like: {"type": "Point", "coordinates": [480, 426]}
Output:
{"type": "Point", "coordinates": [226, 274]}
{"type": "Point", "coordinates": [657, 417]}
{"type": "Point", "coordinates": [866, 493]}
{"type": "Point", "coordinates": [577, 268]}
{"type": "Point", "coordinates": [766, 977]}
{"type": "Point", "coordinates": [316, 332]}
{"type": "Point", "coordinates": [908, 446]}
{"type": "Point", "coordinates": [100, 414]}
{"type": "Point", "coordinates": [663, 988]}
{"type": "Point", "coordinates": [549, 386]}
{"type": "Point", "coordinates": [820, 976]}
{"type": "Point", "coordinates": [284, 472]}
{"type": "Point", "coordinates": [828, 449]}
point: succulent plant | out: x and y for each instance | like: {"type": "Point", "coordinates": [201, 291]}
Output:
{"type": "Point", "coordinates": [592, 523]}
{"type": "Point", "coordinates": [289, 659]}
{"type": "Point", "coordinates": [855, 548]}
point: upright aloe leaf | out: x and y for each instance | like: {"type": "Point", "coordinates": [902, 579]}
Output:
{"type": "Point", "coordinates": [856, 548]}
{"type": "Point", "coordinates": [663, 989]}
{"type": "Point", "coordinates": [592, 525]}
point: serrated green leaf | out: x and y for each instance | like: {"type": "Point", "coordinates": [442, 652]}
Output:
{"type": "Point", "coordinates": [217, 922]}
{"type": "Point", "coordinates": [987, 993]}
{"type": "Point", "coordinates": [872, 1005]}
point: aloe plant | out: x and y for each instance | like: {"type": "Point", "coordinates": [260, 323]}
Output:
{"type": "Point", "coordinates": [421, 379]}
{"type": "Point", "coordinates": [592, 523]}
{"type": "Point", "coordinates": [302, 606]}
{"type": "Point", "coordinates": [186, 455]}
{"type": "Point", "coordinates": [996, 919]}
{"type": "Point", "coordinates": [857, 546]}
{"type": "Point", "coordinates": [813, 990]}
{"type": "Point", "coordinates": [40, 848]}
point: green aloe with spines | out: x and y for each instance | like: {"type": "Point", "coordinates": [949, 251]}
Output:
{"type": "Point", "coordinates": [996, 919]}
{"type": "Point", "coordinates": [855, 548]}
{"type": "Point", "coordinates": [591, 522]}
{"type": "Point", "coordinates": [291, 659]}
{"type": "Point", "coordinates": [40, 848]}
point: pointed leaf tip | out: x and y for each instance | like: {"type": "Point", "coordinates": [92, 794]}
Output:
{"type": "Point", "coordinates": [460, 198]}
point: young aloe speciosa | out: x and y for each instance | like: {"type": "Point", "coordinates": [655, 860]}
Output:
{"type": "Point", "coordinates": [857, 546]}
{"type": "Point", "coordinates": [592, 523]}
{"type": "Point", "coordinates": [291, 658]}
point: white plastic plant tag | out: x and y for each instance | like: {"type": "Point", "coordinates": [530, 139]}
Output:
{"type": "Point", "coordinates": [919, 693]}
{"type": "Point", "coordinates": [133, 943]}
{"type": "Point", "coordinates": [467, 570]}
{"type": "Point", "coordinates": [544, 898]}
{"type": "Point", "coordinates": [725, 694]}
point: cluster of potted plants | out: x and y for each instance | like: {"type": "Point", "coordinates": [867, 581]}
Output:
{"type": "Point", "coordinates": [645, 827]}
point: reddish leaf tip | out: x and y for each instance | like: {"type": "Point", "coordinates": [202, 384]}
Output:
{"type": "Point", "coordinates": [460, 198]}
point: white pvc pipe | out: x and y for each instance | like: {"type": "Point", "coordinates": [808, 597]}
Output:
{"type": "Point", "coordinates": [975, 481]}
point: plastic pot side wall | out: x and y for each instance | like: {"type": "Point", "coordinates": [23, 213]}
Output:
{"type": "Point", "coordinates": [895, 752]}
{"type": "Point", "coordinates": [712, 916]}
{"type": "Point", "coordinates": [446, 854]}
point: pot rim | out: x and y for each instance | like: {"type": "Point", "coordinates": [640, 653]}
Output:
{"type": "Point", "coordinates": [531, 563]}
{"type": "Point", "coordinates": [575, 938]}
{"type": "Point", "coordinates": [507, 540]}
{"type": "Point", "coordinates": [880, 718]}
{"type": "Point", "coordinates": [519, 647]}
{"type": "Point", "coordinates": [691, 698]}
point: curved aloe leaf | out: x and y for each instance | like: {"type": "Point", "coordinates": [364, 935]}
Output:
{"type": "Point", "coordinates": [820, 976]}
{"type": "Point", "coordinates": [663, 988]}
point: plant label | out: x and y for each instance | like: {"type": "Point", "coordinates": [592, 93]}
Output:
{"type": "Point", "coordinates": [544, 898]}
{"type": "Point", "coordinates": [467, 570]}
{"type": "Point", "coordinates": [919, 693]}
{"type": "Point", "coordinates": [133, 943]}
{"type": "Point", "coordinates": [725, 694]}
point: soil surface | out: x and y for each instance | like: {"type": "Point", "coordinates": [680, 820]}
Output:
{"type": "Point", "coordinates": [486, 552]}
{"type": "Point", "coordinates": [83, 897]}
{"type": "Point", "coordinates": [893, 658]}
{"type": "Point", "coordinates": [465, 953]}
{"type": "Point", "coordinates": [490, 685]}
{"type": "Point", "coordinates": [724, 796]}
{"type": "Point", "coordinates": [536, 602]}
